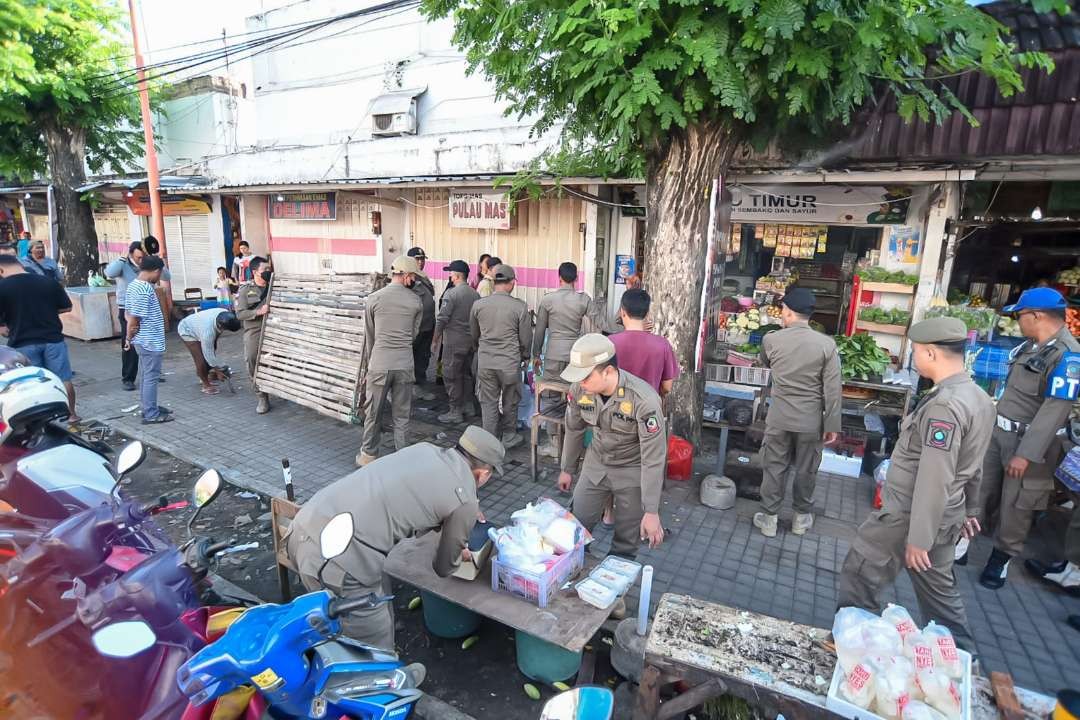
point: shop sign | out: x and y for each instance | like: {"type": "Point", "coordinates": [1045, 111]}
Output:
{"type": "Point", "coordinates": [139, 204]}
{"type": "Point", "coordinates": [304, 206]}
{"type": "Point", "coordinates": [624, 267]}
{"type": "Point", "coordinates": [36, 205]}
{"type": "Point", "coordinates": [820, 204]}
{"type": "Point", "coordinates": [478, 209]}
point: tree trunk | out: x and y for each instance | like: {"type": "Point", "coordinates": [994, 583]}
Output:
{"type": "Point", "coordinates": [680, 175]}
{"type": "Point", "coordinates": [76, 234]}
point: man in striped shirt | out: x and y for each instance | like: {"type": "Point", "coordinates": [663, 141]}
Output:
{"type": "Point", "coordinates": [146, 333]}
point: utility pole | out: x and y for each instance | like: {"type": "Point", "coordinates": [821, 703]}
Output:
{"type": "Point", "coordinates": [153, 178]}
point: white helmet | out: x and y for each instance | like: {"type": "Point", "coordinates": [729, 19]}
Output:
{"type": "Point", "coordinates": [29, 395]}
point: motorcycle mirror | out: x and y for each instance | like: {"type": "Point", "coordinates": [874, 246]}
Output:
{"type": "Point", "coordinates": [582, 703]}
{"type": "Point", "coordinates": [336, 535]}
{"type": "Point", "coordinates": [130, 458]}
{"type": "Point", "coordinates": [124, 639]}
{"type": "Point", "coordinates": [206, 488]}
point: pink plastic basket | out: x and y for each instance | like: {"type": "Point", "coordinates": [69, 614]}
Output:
{"type": "Point", "coordinates": [537, 588]}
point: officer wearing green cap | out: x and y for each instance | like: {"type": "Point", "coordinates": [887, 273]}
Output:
{"type": "Point", "coordinates": [931, 491]}
{"type": "Point", "coordinates": [626, 459]}
{"type": "Point", "coordinates": [1018, 471]}
{"type": "Point", "coordinates": [502, 332]}
{"type": "Point", "coordinates": [413, 491]}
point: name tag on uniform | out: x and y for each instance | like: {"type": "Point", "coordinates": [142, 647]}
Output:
{"type": "Point", "coordinates": [1064, 382]}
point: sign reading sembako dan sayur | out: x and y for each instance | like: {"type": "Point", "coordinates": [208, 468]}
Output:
{"type": "Point", "coordinates": [820, 204]}
{"type": "Point", "coordinates": [479, 209]}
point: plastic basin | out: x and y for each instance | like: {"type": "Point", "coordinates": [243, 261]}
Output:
{"type": "Point", "coordinates": [541, 661]}
{"type": "Point", "coordinates": [446, 619]}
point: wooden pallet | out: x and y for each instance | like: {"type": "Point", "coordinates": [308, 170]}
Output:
{"type": "Point", "coordinates": [312, 346]}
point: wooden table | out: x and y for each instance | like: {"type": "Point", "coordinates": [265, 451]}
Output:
{"type": "Point", "coordinates": [566, 621]}
{"type": "Point", "coordinates": [776, 665]}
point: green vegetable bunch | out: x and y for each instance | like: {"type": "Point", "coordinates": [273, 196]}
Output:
{"type": "Point", "coordinates": [861, 357]}
{"type": "Point", "coordinates": [879, 274]}
{"type": "Point", "coordinates": [980, 319]}
{"type": "Point", "coordinates": [748, 348]}
{"type": "Point", "coordinates": [896, 316]}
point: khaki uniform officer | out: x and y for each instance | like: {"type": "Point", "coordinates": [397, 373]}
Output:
{"type": "Point", "coordinates": [251, 304]}
{"type": "Point", "coordinates": [804, 415]}
{"type": "Point", "coordinates": [452, 329]}
{"type": "Point", "coordinates": [558, 317]}
{"type": "Point", "coordinates": [931, 492]}
{"type": "Point", "coordinates": [425, 290]}
{"type": "Point", "coordinates": [1018, 472]}
{"type": "Point", "coordinates": [502, 331]}
{"type": "Point", "coordinates": [413, 491]}
{"type": "Point", "coordinates": [627, 457]}
{"type": "Point", "coordinates": [391, 320]}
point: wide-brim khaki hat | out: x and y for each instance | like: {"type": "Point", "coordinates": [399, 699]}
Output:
{"type": "Point", "coordinates": [588, 352]}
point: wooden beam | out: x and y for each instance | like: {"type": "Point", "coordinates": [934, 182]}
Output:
{"type": "Point", "coordinates": [690, 699]}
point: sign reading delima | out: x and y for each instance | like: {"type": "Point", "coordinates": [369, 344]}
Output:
{"type": "Point", "coordinates": [479, 209]}
{"type": "Point", "coordinates": [304, 206]}
{"type": "Point", "coordinates": [820, 204]}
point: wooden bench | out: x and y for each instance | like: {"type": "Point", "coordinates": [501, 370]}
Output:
{"type": "Point", "coordinates": [554, 417]}
{"type": "Point", "coordinates": [282, 512]}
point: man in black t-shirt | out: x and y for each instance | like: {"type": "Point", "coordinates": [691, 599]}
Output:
{"type": "Point", "coordinates": [30, 309]}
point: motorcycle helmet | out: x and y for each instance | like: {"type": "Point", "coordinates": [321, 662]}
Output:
{"type": "Point", "coordinates": [30, 397]}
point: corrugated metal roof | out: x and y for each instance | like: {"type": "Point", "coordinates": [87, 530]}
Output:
{"type": "Point", "coordinates": [1044, 119]}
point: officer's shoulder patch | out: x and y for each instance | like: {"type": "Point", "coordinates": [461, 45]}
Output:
{"type": "Point", "coordinates": [939, 434]}
{"type": "Point", "coordinates": [652, 424]}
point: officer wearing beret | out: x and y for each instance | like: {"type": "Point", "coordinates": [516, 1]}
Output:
{"type": "Point", "coordinates": [421, 488]}
{"type": "Point", "coordinates": [1018, 472]}
{"type": "Point", "coordinates": [626, 459]}
{"type": "Point", "coordinates": [804, 414]}
{"type": "Point", "coordinates": [932, 488]}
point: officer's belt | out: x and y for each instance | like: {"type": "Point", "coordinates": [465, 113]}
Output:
{"type": "Point", "coordinates": [1011, 425]}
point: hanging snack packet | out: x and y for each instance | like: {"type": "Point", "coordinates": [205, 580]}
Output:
{"type": "Point", "coordinates": [944, 646]}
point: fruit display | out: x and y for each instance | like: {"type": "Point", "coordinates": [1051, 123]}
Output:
{"type": "Point", "coordinates": [748, 320]}
{"type": "Point", "coordinates": [1072, 319]}
{"type": "Point", "coordinates": [773, 311]}
{"type": "Point", "coordinates": [879, 274]}
{"type": "Point", "coordinates": [861, 357]}
{"type": "Point", "coordinates": [977, 302]}
{"type": "Point", "coordinates": [1009, 326]}
{"type": "Point", "coordinates": [896, 316]}
{"type": "Point", "coordinates": [1070, 276]}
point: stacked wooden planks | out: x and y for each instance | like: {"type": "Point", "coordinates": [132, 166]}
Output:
{"type": "Point", "coordinates": [312, 348]}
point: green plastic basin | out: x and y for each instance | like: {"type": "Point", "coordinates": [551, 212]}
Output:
{"type": "Point", "coordinates": [446, 619]}
{"type": "Point", "coordinates": [544, 662]}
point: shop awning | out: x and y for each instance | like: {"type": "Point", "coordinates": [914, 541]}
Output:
{"type": "Point", "coordinates": [167, 182]}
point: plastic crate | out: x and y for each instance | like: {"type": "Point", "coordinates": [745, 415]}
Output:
{"type": "Point", "coordinates": [537, 588]}
{"type": "Point", "coordinates": [992, 361]}
{"type": "Point", "coordinates": [752, 375]}
{"type": "Point", "coordinates": [715, 372]}
{"type": "Point", "coordinates": [740, 359]}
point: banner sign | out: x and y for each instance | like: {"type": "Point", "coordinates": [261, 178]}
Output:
{"type": "Point", "coordinates": [479, 209]}
{"type": "Point", "coordinates": [820, 204]}
{"type": "Point", "coordinates": [304, 206]}
{"type": "Point", "coordinates": [139, 203]}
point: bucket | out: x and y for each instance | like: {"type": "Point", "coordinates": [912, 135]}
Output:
{"type": "Point", "coordinates": [541, 661]}
{"type": "Point", "coordinates": [718, 492]}
{"type": "Point", "coordinates": [446, 619]}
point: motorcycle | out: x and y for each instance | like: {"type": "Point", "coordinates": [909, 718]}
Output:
{"type": "Point", "coordinates": [46, 470]}
{"type": "Point", "coordinates": [588, 702]}
{"type": "Point", "coordinates": [161, 590]}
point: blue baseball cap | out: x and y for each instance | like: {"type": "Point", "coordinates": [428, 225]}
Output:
{"type": "Point", "coordinates": [1037, 299]}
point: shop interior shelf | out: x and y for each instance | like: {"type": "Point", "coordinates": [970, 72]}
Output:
{"type": "Point", "coordinates": [899, 288]}
{"type": "Point", "coordinates": [881, 328]}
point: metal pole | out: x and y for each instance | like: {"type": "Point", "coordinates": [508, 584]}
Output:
{"type": "Point", "coordinates": [153, 179]}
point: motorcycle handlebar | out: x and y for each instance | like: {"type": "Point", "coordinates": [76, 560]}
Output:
{"type": "Point", "coordinates": [339, 606]}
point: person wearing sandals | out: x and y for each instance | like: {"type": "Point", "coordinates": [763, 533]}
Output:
{"type": "Point", "coordinates": [146, 333]}
{"type": "Point", "coordinates": [200, 332]}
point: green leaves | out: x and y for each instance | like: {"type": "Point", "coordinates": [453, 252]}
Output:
{"type": "Point", "coordinates": [860, 356]}
{"type": "Point", "coordinates": [619, 76]}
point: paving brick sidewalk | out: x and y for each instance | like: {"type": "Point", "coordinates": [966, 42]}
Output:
{"type": "Point", "coordinates": [711, 554]}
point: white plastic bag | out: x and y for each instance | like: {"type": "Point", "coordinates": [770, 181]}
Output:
{"type": "Point", "coordinates": [859, 684]}
{"type": "Point", "coordinates": [941, 691]}
{"type": "Point", "coordinates": [891, 690]}
{"type": "Point", "coordinates": [882, 638]}
{"type": "Point", "coordinates": [946, 656]}
{"type": "Point", "coordinates": [916, 710]}
{"type": "Point", "coordinates": [847, 629]}
{"type": "Point", "coordinates": [920, 649]}
{"type": "Point", "coordinates": [562, 534]}
{"type": "Point", "coordinates": [901, 620]}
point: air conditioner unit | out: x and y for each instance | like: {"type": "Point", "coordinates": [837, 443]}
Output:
{"type": "Point", "coordinates": [397, 123]}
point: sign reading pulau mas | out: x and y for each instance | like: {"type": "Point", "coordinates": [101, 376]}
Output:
{"type": "Point", "coordinates": [304, 206]}
{"type": "Point", "coordinates": [820, 204]}
{"type": "Point", "coordinates": [479, 209]}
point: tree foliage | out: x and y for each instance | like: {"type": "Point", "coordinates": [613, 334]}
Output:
{"type": "Point", "coordinates": [57, 65]}
{"type": "Point", "coordinates": [620, 75]}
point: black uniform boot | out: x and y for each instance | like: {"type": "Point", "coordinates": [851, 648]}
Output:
{"type": "Point", "coordinates": [997, 568]}
{"type": "Point", "coordinates": [1041, 569]}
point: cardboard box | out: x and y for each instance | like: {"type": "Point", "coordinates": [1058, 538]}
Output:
{"type": "Point", "coordinates": [480, 546]}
